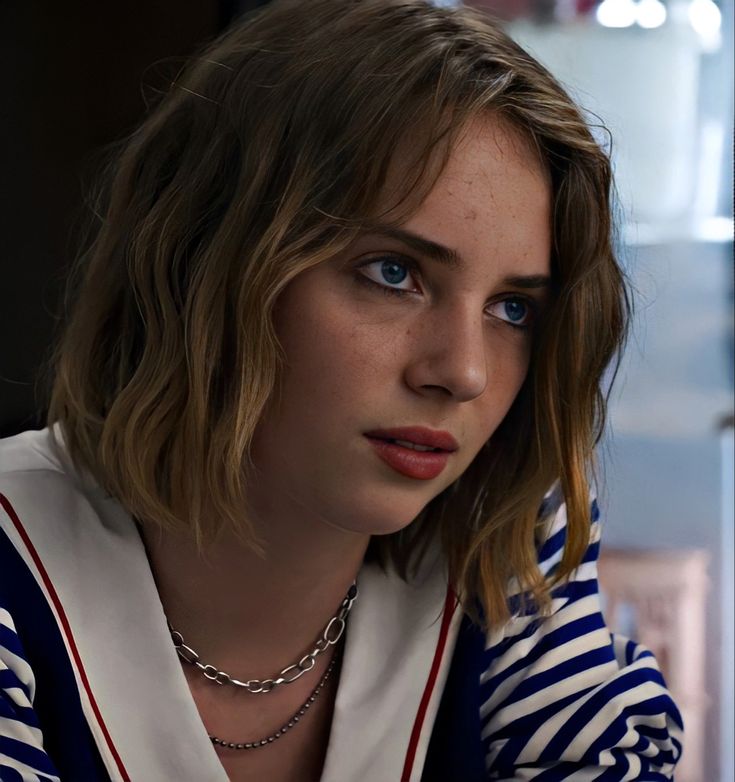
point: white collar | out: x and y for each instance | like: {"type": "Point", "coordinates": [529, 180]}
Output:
{"type": "Point", "coordinates": [91, 564]}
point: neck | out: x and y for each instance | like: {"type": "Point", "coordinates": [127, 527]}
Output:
{"type": "Point", "coordinates": [253, 615]}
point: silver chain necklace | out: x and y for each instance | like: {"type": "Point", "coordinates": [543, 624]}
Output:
{"type": "Point", "coordinates": [331, 635]}
{"type": "Point", "coordinates": [290, 724]}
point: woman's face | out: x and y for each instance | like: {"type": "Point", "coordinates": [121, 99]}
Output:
{"type": "Point", "coordinates": [426, 330]}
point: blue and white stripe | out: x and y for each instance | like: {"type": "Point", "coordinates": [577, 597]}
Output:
{"type": "Point", "coordinates": [563, 698]}
{"type": "Point", "coordinates": [22, 756]}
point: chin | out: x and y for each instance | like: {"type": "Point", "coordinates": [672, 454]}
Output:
{"type": "Point", "coordinates": [388, 529]}
{"type": "Point", "coordinates": [392, 519]}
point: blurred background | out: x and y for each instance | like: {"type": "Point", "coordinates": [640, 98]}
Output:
{"type": "Point", "coordinates": [659, 75]}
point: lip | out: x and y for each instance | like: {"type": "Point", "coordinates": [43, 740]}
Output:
{"type": "Point", "coordinates": [420, 465]}
{"type": "Point", "coordinates": [419, 435]}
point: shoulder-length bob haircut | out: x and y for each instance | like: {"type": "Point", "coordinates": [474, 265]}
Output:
{"type": "Point", "coordinates": [267, 156]}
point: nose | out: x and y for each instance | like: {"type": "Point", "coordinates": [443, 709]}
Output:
{"type": "Point", "coordinates": [450, 355]}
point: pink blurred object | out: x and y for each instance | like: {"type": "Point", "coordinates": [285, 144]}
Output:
{"type": "Point", "coordinates": [659, 597]}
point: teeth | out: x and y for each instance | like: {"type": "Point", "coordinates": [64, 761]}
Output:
{"type": "Point", "coordinates": [415, 447]}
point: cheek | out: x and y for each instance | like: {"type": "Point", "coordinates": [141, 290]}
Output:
{"type": "Point", "coordinates": [504, 384]}
{"type": "Point", "coordinates": [330, 364]}
{"type": "Point", "coordinates": [324, 338]}
{"type": "Point", "coordinates": [325, 356]}
{"type": "Point", "coordinates": [517, 372]}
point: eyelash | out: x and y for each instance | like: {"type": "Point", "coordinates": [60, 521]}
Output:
{"type": "Point", "coordinates": [411, 266]}
{"type": "Point", "coordinates": [413, 269]}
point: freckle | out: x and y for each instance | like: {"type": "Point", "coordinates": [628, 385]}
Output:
{"type": "Point", "coordinates": [471, 215]}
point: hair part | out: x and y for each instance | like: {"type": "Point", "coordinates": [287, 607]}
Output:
{"type": "Point", "coordinates": [265, 158]}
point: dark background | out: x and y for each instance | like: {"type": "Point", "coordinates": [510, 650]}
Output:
{"type": "Point", "coordinates": [73, 76]}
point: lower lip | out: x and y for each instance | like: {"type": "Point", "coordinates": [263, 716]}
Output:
{"type": "Point", "coordinates": [422, 465]}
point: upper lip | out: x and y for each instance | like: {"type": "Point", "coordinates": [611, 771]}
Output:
{"type": "Point", "coordinates": [418, 435]}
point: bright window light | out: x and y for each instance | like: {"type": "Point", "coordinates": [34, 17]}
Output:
{"type": "Point", "coordinates": [651, 13]}
{"type": "Point", "coordinates": [618, 13]}
{"type": "Point", "coordinates": [706, 19]}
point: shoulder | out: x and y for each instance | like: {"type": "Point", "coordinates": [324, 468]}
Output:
{"type": "Point", "coordinates": [58, 530]}
{"type": "Point", "coordinates": [553, 523]}
{"type": "Point", "coordinates": [561, 692]}
{"type": "Point", "coordinates": [35, 473]}
{"type": "Point", "coordinates": [32, 480]}
{"type": "Point", "coordinates": [32, 451]}
{"type": "Point", "coordinates": [68, 552]}
{"type": "Point", "coordinates": [42, 494]}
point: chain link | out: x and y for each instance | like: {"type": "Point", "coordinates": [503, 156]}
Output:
{"type": "Point", "coordinates": [288, 726]}
{"type": "Point", "coordinates": [330, 636]}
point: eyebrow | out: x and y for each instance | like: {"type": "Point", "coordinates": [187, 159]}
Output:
{"type": "Point", "coordinates": [528, 282]}
{"type": "Point", "coordinates": [448, 257]}
{"type": "Point", "coordinates": [432, 250]}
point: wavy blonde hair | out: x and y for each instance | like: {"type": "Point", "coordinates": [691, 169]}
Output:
{"type": "Point", "coordinates": [266, 157]}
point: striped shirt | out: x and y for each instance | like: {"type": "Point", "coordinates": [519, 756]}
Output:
{"type": "Point", "coordinates": [91, 688]}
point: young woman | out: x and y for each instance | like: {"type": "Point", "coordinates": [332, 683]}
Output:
{"type": "Point", "coordinates": [314, 499]}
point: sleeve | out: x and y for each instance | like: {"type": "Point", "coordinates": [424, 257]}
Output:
{"type": "Point", "coordinates": [22, 757]}
{"type": "Point", "coordinates": [563, 698]}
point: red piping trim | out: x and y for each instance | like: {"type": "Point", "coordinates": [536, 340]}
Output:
{"type": "Point", "coordinates": [66, 629]}
{"type": "Point", "coordinates": [449, 605]}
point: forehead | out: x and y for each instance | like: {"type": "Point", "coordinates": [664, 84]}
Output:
{"type": "Point", "coordinates": [491, 201]}
{"type": "Point", "coordinates": [491, 156]}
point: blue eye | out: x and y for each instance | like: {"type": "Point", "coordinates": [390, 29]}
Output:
{"type": "Point", "coordinates": [393, 273]}
{"type": "Point", "coordinates": [514, 311]}
{"type": "Point", "coordinates": [388, 274]}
